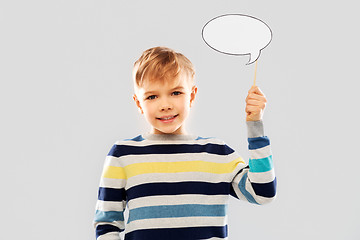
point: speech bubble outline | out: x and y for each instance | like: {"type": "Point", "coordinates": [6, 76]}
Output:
{"type": "Point", "coordinates": [256, 35]}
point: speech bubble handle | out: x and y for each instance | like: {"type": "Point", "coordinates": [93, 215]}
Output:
{"type": "Point", "coordinates": [255, 73]}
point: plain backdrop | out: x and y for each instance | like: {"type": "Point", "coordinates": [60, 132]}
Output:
{"type": "Point", "coordinates": [66, 97]}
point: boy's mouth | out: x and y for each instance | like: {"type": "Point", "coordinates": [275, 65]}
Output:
{"type": "Point", "coordinates": [169, 117]}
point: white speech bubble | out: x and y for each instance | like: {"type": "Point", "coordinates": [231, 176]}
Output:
{"type": "Point", "coordinates": [237, 34]}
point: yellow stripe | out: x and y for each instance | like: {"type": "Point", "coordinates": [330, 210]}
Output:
{"type": "Point", "coordinates": [170, 167]}
{"type": "Point", "coordinates": [114, 172]}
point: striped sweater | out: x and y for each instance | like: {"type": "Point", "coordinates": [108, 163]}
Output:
{"type": "Point", "coordinates": [177, 187]}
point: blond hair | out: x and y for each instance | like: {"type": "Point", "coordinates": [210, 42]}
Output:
{"type": "Point", "coordinates": [160, 64]}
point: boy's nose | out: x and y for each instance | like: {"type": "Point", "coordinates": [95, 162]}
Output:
{"type": "Point", "coordinates": [165, 106]}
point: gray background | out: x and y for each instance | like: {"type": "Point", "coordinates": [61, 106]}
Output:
{"type": "Point", "coordinates": [66, 98]}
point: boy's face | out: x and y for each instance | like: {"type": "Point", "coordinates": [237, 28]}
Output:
{"type": "Point", "coordinates": [158, 101]}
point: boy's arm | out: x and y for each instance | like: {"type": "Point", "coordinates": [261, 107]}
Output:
{"type": "Point", "coordinates": [111, 203]}
{"type": "Point", "coordinates": [256, 182]}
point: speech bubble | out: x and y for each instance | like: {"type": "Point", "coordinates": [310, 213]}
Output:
{"type": "Point", "coordinates": [237, 34]}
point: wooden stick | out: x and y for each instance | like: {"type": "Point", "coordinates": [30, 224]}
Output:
{"type": "Point", "coordinates": [255, 73]}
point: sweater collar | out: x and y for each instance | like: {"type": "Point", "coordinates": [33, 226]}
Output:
{"type": "Point", "coordinates": [168, 137]}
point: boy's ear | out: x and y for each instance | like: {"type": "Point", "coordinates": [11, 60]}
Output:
{"type": "Point", "coordinates": [137, 102]}
{"type": "Point", "coordinates": [193, 94]}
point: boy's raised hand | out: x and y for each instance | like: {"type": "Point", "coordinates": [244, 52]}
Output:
{"type": "Point", "coordinates": [255, 104]}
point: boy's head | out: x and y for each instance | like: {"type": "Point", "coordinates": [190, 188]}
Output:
{"type": "Point", "coordinates": [164, 87]}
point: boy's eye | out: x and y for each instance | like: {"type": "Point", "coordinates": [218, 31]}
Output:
{"type": "Point", "coordinates": [176, 93]}
{"type": "Point", "coordinates": [151, 97]}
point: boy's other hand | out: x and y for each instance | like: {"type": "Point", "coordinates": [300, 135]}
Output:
{"type": "Point", "coordinates": [255, 104]}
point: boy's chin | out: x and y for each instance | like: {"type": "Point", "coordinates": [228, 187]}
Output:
{"type": "Point", "coordinates": [166, 131]}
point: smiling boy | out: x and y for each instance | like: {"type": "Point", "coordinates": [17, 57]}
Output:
{"type": "Point", "coordinates": [165, 104]}
{"type": "Point", "coordinates": [176, 185]}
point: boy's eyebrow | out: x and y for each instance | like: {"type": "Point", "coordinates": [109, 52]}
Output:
{"type": "Point", "coordinates": [178, 87]}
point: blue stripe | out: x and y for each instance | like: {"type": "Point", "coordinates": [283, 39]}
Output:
{"type": "Point", "coordinates": [247, 195]}
{"type": "Point", "coordinates": [140, 138]}
{"type": "Point", "coordinates": [136, 139]}
{"type": "Point", "coordinates": [108, 216]}
{"type": "Point", "coordinates": [199, 138]}
{"type": "Point", "coordinates": [111, 194]}
{"type": "Point", "coordinates": [265, 189]}
{"type": "Point", "coordinates": [156, 189]}
{"type": "Point", "coordinates": [170, 211]}
{"type": "Point", "coordinates": [106, 228]}
{"type": "Point", "coordinates": [190, 233]}
{"type": "Point", "coordinates": [258, 142]}
{"type": "Point", "coordinates": [232, 192]}
{"type": "Point", "coordinates": [261, 164]}
{"type": "Point", "coordinates": [123, 150]}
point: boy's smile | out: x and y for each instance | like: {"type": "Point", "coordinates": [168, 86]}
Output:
{"type": "Point", "coordinates": [169, 118]}
{"type": "Point", "coordinates": [166, 105]}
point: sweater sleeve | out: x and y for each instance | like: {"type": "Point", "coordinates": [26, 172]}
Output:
{"type": "Point", "coordinates": [110, 206]}
{"type": "Point", "coordinates": [256, 182]}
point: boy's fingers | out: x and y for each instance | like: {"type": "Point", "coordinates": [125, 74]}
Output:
{"type": "Point", "coordinates": [256, 90]}
{"type": "Point", "coordinates": [256, 103]}
{"type": "Point", "coordinates": [256, 97]}
{"type": "Point", "coordinates": [253, 88]}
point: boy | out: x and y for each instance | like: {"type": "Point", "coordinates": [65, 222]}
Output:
{"type": "Point", "coordinates": [176, 185]}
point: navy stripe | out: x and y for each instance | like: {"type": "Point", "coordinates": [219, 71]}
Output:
{"type": "Point", "coordinates": [106, 228]}
{"type": "Point", "coordinates": [190, 233]}
{"type": "Point", "coordinates": [265, 189]}
{"type": "Point", "coordinates": [258, 142]}
{"type": "Point", "coordinates": [153, 189]}
{"type": "Point", "coordinates": [123, 150]}
{"type": "Point", "coordinates": [111, 194]}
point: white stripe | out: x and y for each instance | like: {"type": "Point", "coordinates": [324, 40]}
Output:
{"type": "Point", "coordinates": [177, 200]}
{"type": "Point", "coordinates": [263, 177]}
{"type": "Point", "coordinates": [160, 142]}
{"type": "Point", "coordinates": [112, 183]}
{"type": "Point", "coordinates": [264, 200]}
{"type": "Point", "coordinates": [260, 152]}
{"type": "Point", "coordinates": [110, 205]}
{"type": "Point", "coordinates": [112, 161]}
{"type": "Point", "coordinates": [179, 157]}
{"type": "Point", "coordinates": [175, 223]}
{"type": "Point", "coordinates": [109, 236]}
{"type": "Point", "coordinates": [178, 177]}
{"type": "Point", "coordinates": [216, 238]}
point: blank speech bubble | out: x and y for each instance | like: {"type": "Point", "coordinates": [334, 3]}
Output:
{"type": "Point", "coordinates": [237, 34]}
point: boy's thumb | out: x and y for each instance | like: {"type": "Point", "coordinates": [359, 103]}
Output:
{"type": "Point", "coordinates": [253, 87]}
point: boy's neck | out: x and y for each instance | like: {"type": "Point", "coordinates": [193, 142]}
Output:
{"type": "Point", "coordinates": [168, 136]}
